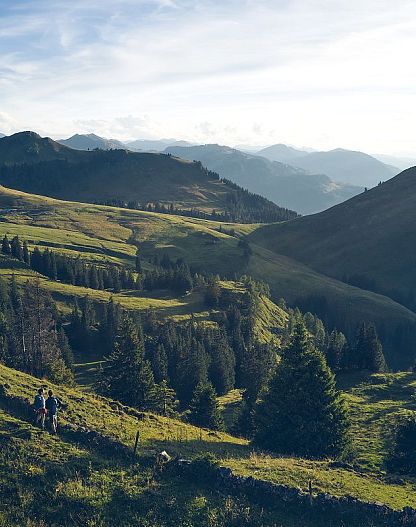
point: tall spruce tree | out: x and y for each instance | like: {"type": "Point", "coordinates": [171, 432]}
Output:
{"type": "Point", "coordinates": [5, 245]}
{"type": "Point", "coordinates": [16, 248]}
{"type": "Point", "coordinates": [26, 253]}
{"type": "Point", "coordinates": [375, 356]}
{"type": "Point", "coordinates": [368, 350]}
{"type": "Point", "coordinates": [335, 350]}
{"type": "Point", "coordinates": [159, 361]}
{"type": "Point", "coordinates": [222, 367]}
{"type": "Point", "coordinates": [127, 375]}
{"type": "Point", "coordinates": [204, 409]}
{"type": "Point", "coordinates": [302, 412]}
{"type": "Point", "coordinates": [165, 400]}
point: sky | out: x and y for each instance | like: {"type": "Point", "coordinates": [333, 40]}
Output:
{"type": "Point", "coordinates": [316, 73]}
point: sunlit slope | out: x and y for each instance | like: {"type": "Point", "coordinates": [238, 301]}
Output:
{"type": "Point", "coordinates": [111, 234]}
{"type": "Point", "coordinates": [85, 474]}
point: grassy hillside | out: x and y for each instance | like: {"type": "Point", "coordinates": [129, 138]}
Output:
{"type": "Point", "coordinates": [100, 233]}
{"type": "Point", "coordinates": [368, 239]}
{"type": "Point", "coordinates": [78, 483]}
{"type": "Point", "coordinates": [290, 187]}
{"type": "Point", "coordinates": [34, 164]}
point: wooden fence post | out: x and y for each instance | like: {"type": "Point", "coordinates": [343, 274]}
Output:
{"type": "Point", "coordinates": [137, 441]}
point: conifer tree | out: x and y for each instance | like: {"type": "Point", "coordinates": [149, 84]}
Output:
{"type": "Point", "coordinates": [138, 262]}
{"type": "Point", "coordinates": [110, 323]}
{"type": "Point", "coordinates": [37, 261]}
{"type": "Point", "coordinates": [204, 409]}
{"type": "Point", "coordinates": [165, 400]}
{"type": "Point", "coordinates": [93, 277]}
{"type": "Point", "coordinates": [5, 245]}
{"type": "Point", "coordinates": [302, 413]}
{"type": "Point", "coordinates": [35, 339]}
{"type": "Point", "coordinates": [65, 348]}
{"type": "Point", "coordinates": [335, 351]}
{"type": "Point", "coordinates": [127, 375]}
{"type": "Point", "coordinates": [159, 361]}
{"type": "Point", "coordinates": [16, 248]}
{"type": "Point", "coordinates": [191, 369]}
{"type": "Point", "coordinates": [222, 367]}
{"type": "Point", "coordinates": [375, 357]}
{"type": "Point", "coordinates": [26, 253]}
{"type": "Point", "coordinates": [368, 350]}
{"type": "Point", "coordinates": [258, 363]}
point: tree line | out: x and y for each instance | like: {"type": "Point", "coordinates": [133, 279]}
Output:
{"type": "Point", "coordinates": [166, 274]}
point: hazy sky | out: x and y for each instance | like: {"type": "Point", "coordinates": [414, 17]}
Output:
{"type": "Point", "coordinates": [320, 73]}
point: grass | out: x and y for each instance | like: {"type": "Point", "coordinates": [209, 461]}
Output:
{"type": "Point", "coordinates": [48, 481]}
{"type": "Point", "coordinates": [376, 402]}
{"type": "Point", "coordinates": [366, 480]}
{"type": "Point", "coordinates": [368, 235]}
{"type": "Point", "coordinates": [113, 234]}
{"type": "Point", "coordinates": [338, 482]}
{"type": "Point", "coordinates": [230, 405]}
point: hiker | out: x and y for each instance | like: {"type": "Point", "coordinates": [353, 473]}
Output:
{"type": "Point", "coordinates": [40, 409]}
{"type": "Point", "coordinates": [52, 404]}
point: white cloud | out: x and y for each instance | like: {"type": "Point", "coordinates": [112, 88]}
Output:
{"type": "Point", "coordinates": [327, 74]}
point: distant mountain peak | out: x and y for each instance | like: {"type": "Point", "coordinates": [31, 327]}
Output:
{"type": "Point", "coordinates": [281, 152]}
{"type": "Point", "coordinates": [91, 142]}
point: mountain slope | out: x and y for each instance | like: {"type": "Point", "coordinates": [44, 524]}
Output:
{"type": "Point", "coordinates": [283, 184]}
{"type": "Point", "coordinates": [90, 142]}
{"type": "Point", "coordinates": [369, 240]}
{"type": "Point", "coordinates": [281, 152]}
{"type": "Point", "coordinates": [108, 234]}
{"type": "Point", "coordinates": [30, 147]}
{"type": "Point", "coordinates": [355, 168]}
{"type": "Point", "coordinates": [42, 166]}
{"type": "Point", "coordinates": [87, 475]}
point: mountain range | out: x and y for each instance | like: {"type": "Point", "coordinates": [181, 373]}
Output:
{"type": "Point", "coordinates": [155, 145]}
{"type": "Point", "coordinates": [43, 166]}
{"type": "Point", "coordinates": [282, 183]}
{"type": "Point", "coordinates": [91, 142]}
{"type": "Point", "coordinates": [348, 166]}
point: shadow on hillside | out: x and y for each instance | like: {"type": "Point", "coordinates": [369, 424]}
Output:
{"type": "Point", "coordinates": [189, 448]}
{"type": "Point", "coordinates": [395, 389]}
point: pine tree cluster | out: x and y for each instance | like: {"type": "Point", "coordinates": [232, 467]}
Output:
{"type": "Point", "coordinates": [32, 338]}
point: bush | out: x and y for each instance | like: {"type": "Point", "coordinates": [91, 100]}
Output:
{"type": "Point", "coordinates": [403, 454]}
{"type": "Point", "coordinates": [204, 467]}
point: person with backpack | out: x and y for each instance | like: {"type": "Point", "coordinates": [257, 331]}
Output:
{"type": "Point", "coordinates": [52, 404]}
{"type": "Point", "coordinates": [40, 409]}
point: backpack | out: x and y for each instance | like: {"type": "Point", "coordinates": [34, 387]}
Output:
{"type": "Point", "coordinates": [39, 402]}
{"type": "Point", "coordinates": [52, 405]}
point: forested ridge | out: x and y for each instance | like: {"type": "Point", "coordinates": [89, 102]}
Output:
{"type": "Point", "coordinates": [129, 179]}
